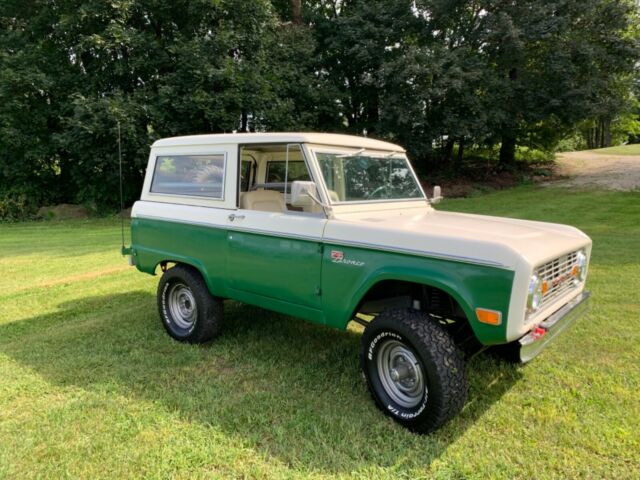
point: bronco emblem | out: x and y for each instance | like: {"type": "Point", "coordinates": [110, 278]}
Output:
{"type": "Point", "coordinates": [337, 255]}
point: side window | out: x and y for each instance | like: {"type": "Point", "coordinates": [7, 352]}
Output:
{"type": "Point", "coordinates": [276, 171]}
{"type": "Point", "coordinates": [272, 171]}
{"type": "Point", "coordinates": [191, 175]}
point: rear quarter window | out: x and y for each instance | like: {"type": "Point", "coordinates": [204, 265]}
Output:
{"type": "Point", "coordinates": [190, 175]}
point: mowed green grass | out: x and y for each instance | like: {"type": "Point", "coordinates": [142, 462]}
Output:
{"type": "Point", "coordinates": [633, 149]}
{"type": "Point", "coordinates": [92, 387]}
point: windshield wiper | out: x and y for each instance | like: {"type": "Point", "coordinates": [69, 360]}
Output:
{"type": "Point", "coordinates": [346, 155]}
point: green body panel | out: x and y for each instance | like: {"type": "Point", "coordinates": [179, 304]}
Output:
{"type": "Point", "coordinates": [245, 266]}
{"type": "Point", "coordinates": [472, 286]}
{"type": "Point", "coordinates": [275, 266]}
{"type": "Point", "coordinates": [206, 248]}
{"type": "Point", "coordinates": [311, 314]}
{"type": "Point", "coordinates": [300, 278]}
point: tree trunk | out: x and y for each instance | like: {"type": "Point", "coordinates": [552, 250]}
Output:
{"type": "Point", "coordinates": [296, 12]}
{"type": "Point", "coordinates": [589, 135]}
{"type": "Point", "coordinates": [448, 150]}
{"type": "Point", "coordinates": [600, 133]}
{"type": "Point", "coordinates": [460, 154]}
{"type": "Point", "coordinates": [244, 122]}
{"type": "Point", "coordinates": [508, 148]}
{"type": "Point", "coordinates": [593, 136]}
{"type": "Point", "coordinates": [606, 132]}
{"type": "Point", "coordinates": [373, 115]}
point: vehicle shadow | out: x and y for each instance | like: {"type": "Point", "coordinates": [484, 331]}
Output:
{"type": "Point", "coordinates": [283, 387]}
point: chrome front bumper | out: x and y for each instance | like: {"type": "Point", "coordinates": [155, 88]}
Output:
{"type": "Point", "coordinates": [536, 340]}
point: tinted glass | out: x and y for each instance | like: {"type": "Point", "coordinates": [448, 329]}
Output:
{"type": "Point", "coordinates": [193, 175]}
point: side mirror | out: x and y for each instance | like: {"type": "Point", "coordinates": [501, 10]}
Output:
{"type": "Point", "coordinates": [437, 195]}
{"type": "Point", "coordinates": [303, 194]}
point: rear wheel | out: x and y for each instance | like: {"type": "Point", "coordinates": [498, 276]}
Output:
{"type": "Point", "coordinates": [414, 370]}
{"type": "Point", "coordinates": [188, 311]}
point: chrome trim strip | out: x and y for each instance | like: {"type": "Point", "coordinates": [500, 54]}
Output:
{"type": "Point", "coordinates": [334, 241]}
{"type": "Point", "coordinates": [233, 228]}
{"type": "Point", "coordinates": [276, 234]}
{"type": "Point", "coordinates": [419, 253]}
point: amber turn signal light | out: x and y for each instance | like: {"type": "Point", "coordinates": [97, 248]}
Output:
{"type": "Point", "coordinates": [490, 317]}
{"type": "Point", "coordinates": [545, 287]}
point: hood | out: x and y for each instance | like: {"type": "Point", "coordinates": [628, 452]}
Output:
{"type": "Point", "coordinates": [497, 241]}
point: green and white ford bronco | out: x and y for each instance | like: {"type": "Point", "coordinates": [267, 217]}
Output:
{"type": "Point", "coordinates": [334, 229]}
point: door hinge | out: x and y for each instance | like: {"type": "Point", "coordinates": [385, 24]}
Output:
{"type": "Point", "coordinates": [318, 290]}
{"type": "Point", "coordinates": [320, 248]}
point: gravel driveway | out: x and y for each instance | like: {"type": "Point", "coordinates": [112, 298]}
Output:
{"type": "Point", "coordinates": [589, 169]}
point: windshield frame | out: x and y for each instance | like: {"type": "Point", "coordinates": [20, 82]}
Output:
{"type": "Point", "coordinates": [382, 154]}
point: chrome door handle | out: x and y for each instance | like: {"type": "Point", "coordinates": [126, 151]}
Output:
{"type": "Point", "coordinates": [233, 217]}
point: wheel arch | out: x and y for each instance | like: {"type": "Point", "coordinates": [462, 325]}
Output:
{"type": "Point", "coordinates": [193, 263]}
{"type": "Point", "coordinates": [442, 284]}
{"type": "Point", "coordinates": [464, 293]}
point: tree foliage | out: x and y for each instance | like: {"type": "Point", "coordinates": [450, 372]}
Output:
{"type": "Point", "coordinates": [429, 74]}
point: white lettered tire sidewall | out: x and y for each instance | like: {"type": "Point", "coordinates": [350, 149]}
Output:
{"type": "Point", "coordinates": [440, 361]}
{"type": "Point", "coordinates": [394, 409]}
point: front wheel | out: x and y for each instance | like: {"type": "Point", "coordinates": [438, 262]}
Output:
{"type": "Point", "coordinates": [188, 311]}
{"type": "Point", "coordinates": [414, 370]}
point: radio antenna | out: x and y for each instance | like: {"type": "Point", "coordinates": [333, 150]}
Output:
{"type": "Point", "coordinates": [121, 195]}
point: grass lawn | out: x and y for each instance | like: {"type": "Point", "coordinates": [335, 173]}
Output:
{"type": "Point", "coordinates": [92, 387]}
{"type": "Point", "coordinates": [633, 149]}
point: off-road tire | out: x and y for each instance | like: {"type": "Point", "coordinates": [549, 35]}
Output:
{"type": "Point", "coordinates": [208, 316]}
{"type": "Point", "coordinates": [440, 360]}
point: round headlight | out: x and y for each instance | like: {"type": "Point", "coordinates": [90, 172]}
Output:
{"type": "Point", "coordinates": [581, 266]}
{"type": "Point", "coordinates": [534, 297]}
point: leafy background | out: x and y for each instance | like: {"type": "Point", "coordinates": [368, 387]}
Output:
{"type": "Point", "coordinates": [448, 79]}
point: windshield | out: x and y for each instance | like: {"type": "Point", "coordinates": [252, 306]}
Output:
{"type": "Point", "coordinates": [362, 177]}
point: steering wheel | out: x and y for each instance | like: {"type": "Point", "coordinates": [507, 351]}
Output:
{"type": "Point", "coordinates": [376, 193]}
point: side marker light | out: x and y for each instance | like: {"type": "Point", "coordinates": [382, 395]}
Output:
{"type": "Point", "coordinates": [490, 317]}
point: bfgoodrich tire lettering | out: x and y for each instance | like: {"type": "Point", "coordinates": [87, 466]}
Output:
{"type": "Point", "coordinates": [189, 313]}
{"type": "Point", "coordinates": [414, 370]}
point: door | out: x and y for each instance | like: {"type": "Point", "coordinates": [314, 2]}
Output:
{"type": "Point", "coordinates": [276, 255]}
{"type": "Point", "coordinates": [275, 249]}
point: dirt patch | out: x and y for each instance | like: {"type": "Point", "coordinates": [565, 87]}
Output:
{"type": "Point", "coordinates": [78, 278]}
{"type": "Point", "coordinates": [64, 211]}
{"type": "Point", "coordinates": [589, 169]}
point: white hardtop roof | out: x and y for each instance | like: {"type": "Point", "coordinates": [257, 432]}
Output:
{"type": "Point", "coordinates": [248, 138]}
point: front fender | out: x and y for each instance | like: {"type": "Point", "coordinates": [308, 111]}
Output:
{"type": "Point", "coordinates": [344, 285]}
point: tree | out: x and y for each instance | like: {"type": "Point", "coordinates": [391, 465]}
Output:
{"type": "Point", "coordinates": [429, 74]}
{"type": "Point", "coordinates": [72, 70]}
{"type": "Point", "coordinates": [552, 62]}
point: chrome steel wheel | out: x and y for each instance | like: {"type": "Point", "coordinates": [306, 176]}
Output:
{"type": "Point", "coordinates": [400, 373]}
{"type": "Point", "coordinates": [182, 305]}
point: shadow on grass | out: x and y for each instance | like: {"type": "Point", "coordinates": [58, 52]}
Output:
{"type": "Point", "coordinates": [283, 387]}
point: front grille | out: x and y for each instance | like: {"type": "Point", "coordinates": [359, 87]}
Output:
{"type": "Point", "coordinates": [558, 275]}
